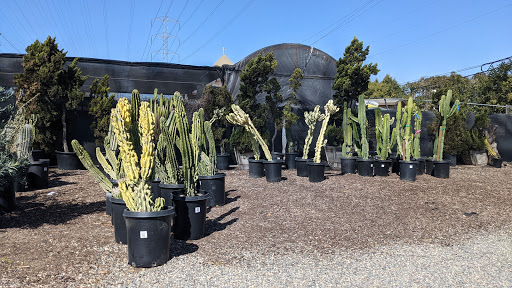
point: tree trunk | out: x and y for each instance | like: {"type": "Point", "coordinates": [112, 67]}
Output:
{"type": "Point", "coordinates": [284, 141]}
{"type": "Point", "coordinates": [274, 137]}
{"type": "Point", "coordinates": [64, 129]}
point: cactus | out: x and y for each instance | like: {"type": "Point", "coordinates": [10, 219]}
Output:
{"type": "Point", "coordinates": [405, 141]}
{"type": "Point", "coordinates": [24, 142]}
{"type": "Point", "coordinates": [134, 114]}
{"type": "Point", "coordinates": [96, 174]}
{"type": "Point", "coordinates": [382, 134]}
{"type": "Point", "coordinates": [417, 130]}
{"type": "Point", "coordinates": [212, 153]}
{"type": "Point", "coordinates": [166, 164]}
{"type": "Point", "coordinates": [161, 107]}
{"type": "Point", "coordinates": [134, 187]}
{"type": "Point", "coordinates": [347, 147]}
{"type": "Point", "coordinates": [396, 137]}
{"type": "Point", "coordinates": [330, 109]}
{"type": "Point", "coordinates": [311, 118]}
{"type": "Point", "coordinates": [363, 124]}
{"type": "Point", "coordinates": [239, 117]}
{"type": "Point", "coordinates": [445, 111]}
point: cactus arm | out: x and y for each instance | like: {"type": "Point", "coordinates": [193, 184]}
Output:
{"type": "Point", "coordinates": [311, 117]}
{"type": "Point", "coordinates": [211, 144]}
{"type": "Point", "coordinates": [104, 164]}
{"type": "Point", "coordinates": [93, 170]}
{"type": "Point", "coordinates": [24, 142]}
{"type": "Point", "coordinates": [330, 109]}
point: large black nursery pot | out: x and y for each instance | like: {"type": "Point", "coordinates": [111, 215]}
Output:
{"type": "Point", "coordinates": [190, 220]}
{"type": "Point", "coordinates": [302, 166]}
{"type": "Point", "coordinates": [452, 158]}
{"type": "Point", "coordinates": [8, 198]}
{"type": "Point", "coordinates": [68, 161]}
{"type": "Point", "coordinates": [273, 170]}
{"type": "Point", "coordinates": [38, 154]}
{"type": "Point", "coordinates": [167, 192]}
{"type": "Point", "coordinates": [365, 167]}
{"type": "Point", "coordinates": [108, 198]}
{"type": "Point", "coordinates": [497, 162]}
{"type": "Point", "coordinates": [289, 159]}
{"type": "Point", "coordinates": [37, 176]}
{"type": "Point", "coordinates": [429, 166]}
{"type": "Point", "coordinates": [155, 189]}
{"type": "Point", "coordinates": [256, 168]}
{"type": "Point", "coordinates": [442, 169]}
{"type": "Point", "coordinates": [149, 237]}
{"type": "Point", "coordinates": [316, 171]}
{"type": "Point", "coordinates": [222, 161]}
{"type": "Point", "coordinates": [348, 165]}
{"type": "Point", "coordinates": [118, 207]}
{"type": "Point", "coordinates": [395, 164]}
{"type": "Point", "coordinates": [277, 156]}
{"type": "Point", "coordinates": [408, 170]}
{"type": "Point", "coordinates": [381, 167]}
{"type": "Point", "coordinates": [215, 186]}
{"type": "Point", "coordinates": [421, 165]}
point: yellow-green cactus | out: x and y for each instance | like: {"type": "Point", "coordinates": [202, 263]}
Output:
{"type": "Point", "coordinates": [330, 109]}
{"type": "Point", "coordinates": [134, 187]}
{"type": "Point", "coordinates": [311, 117]}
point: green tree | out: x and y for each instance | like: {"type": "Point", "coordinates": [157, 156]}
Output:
{"type": "Point", "coordinates": [100, 107]}
{"type": "Point", "coordinates": [255, 79]}
{"type": "Point", "coordinates": [387, 88]}
{"type": "Point", "coordinates": [496, 87]}
{"type": "Point", "coordinates": [352, 77]}
{"type": "Point", "coordinates": [216, 98]}
{"type": "Point", "coordinates": [56, 88]}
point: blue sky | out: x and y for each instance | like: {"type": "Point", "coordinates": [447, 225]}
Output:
{"type": "Point", "coordinates": [408, 39]}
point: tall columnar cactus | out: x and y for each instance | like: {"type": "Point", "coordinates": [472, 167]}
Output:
{"type": "Point", "coordinates": [135, 186]}
{"type": "Point", "coordinates": [363, 124]}
{"type": "Point", "coordinates": [330, 109]}
{"type": "Point", "coordinates": [382, 134]}
{"type": "Point", "coordinates": [396, 137]}
{"type": "Point", "coordinates": [212, 153]}
{"type": "Point", "coordinates": [166, 163]}
{"type": "Point", "coordinates": [134, 114]}
{"type": "Point", "coordinates": [239, 117]}
{"type": "Point", "coordinates": [311, 117]}
{"type": "Point", "coordinates": [161, 107]}
{"type": "Point", "coordinates": [406, 141]}
{"type": "Point", "coordinates": [417, 130]}
{"type": "Point", "coordinates": [96, 174]}
{"type": "Point", "coordinates": [445, 111]}
{"type": "Point", "coordinates": [24, 142]}
{"type": "Point", "coordinates": [347, 147]}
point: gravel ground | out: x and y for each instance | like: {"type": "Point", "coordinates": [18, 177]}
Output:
{"type": "Point", "coordinates": [345, 231]}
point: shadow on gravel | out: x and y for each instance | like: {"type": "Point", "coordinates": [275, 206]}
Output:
{"type": "Point", "coordinates": [214, 225]}
{"type": "Point", "coordinates": [181, 247]}
{"type": "Point", "coordinates": [35, 214]}
{"type": "Point", "coordinates": [231, 200]}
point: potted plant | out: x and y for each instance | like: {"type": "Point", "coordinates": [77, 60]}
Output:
{"type": "Point", "coordinates": [494, 156]}
{"type": "Point", "coordinates": [364, 162]}
{"type": "Point", "coordinates": [441, 167]}
{"type": "Point", "coordinates": [290, 156]}
{"type": "Point", "coordinates": [272, 167]}
{"type": "Point", "coordinates": [405, 138]}
{"type": "Point", "coordinates": [383, 137]}
{"type": "Point", "coordinates": [350, 135]}
{"type": "Point", "coordinates": [311, 117]}
{"type": "Point", "coordinates": [416, 150]}
{"type": "Point", "coordinates": [316, 168]}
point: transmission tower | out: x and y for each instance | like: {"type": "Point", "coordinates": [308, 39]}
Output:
{"type": "Point", "coordinates": [165, 35]}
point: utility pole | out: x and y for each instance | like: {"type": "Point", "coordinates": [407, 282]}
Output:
{"type": "Point", "coordinates": [165, 35]}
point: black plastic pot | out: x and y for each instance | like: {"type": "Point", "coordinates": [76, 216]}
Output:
{"type": "Point", "coordinates": [37, 176]}
{"type": "Point", "coordinates": [395, 164]}
{"type": "Point", "coordinates": [289, 159]}
{"type": "Point", "coordinates": [421, 166]}
{"type": "Point", "coordinates": [348, 165]}
{"type": "Point", "coordinates": [452, 158]}
{"type": "Point", "coordinates": [108, 200]}
{"type": "Point", "coordinates": [273, 170]}
{"type": "Point", "coordinates": [277, 156]}
{"type": "Point", "coordinates": [316, 171]}
{"type": "Point", "coordinates": [37, 154]}
{"type": "Point", "coordinates": [381, 167]}
{"type": "Point", "coordinates": [222, 161]}
{"type": "Point", "coordinates": [190, 220]}
{"type": "Point", "coordinates": [442, 169]}
{"type": "Point", "coordinates": [365, 167]}
{"type": "Point", "coordinates": [496, 162]}
{"type": "Point", "coordinates": [429, 167]}
{"type": "Point", "coordinates": [302, 166]}
{"type": "Point", "coordinates": [256, 168]}
{"type": "Point", "coordinates": [215, 186]}
{"type": "Point", "coordinates": [149, 237]}
{"type": "Point", "coordinates": [167, 192]}
{"type": "Point", "coordinates": [118, 207]}
{"type": "Point", "coordinates": [408, 170]}
{"type": "Point", "coordinates": [8, 198]}
{"type": "Point", "coordinates": [68, 161]}
{"type": "Point", "coordinates": [155, 189]}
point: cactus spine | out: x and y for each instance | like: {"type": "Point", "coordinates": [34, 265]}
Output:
{"type": "Point", "coordinates": [417, 130]}
{"type": "Point", "coordinates": [330, 109]}
{"type": "Point", "coordinates": [239, 117]}
{"type": "Point", "coordinates": [446, 112]}
{"type": "Point", "coordinates": [95, 172]}
{"type": "Point", "coordinates": [24, 142]}
{"type": "Point", "coordinates": [311, 118]}
{"type": "Point", "coordinates": [363, 123]}
{"type": "Point", "coordinates": [134, 187]}
{"type": "Point", "coordinates": [382, 133]}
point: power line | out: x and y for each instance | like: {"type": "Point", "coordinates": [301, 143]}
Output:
{"type": "Point", "coordinates": [130, 25]}
{"type": "Point", "coordinates": [166, 13]}
{"type": "Point", "coordinates": [151, 28]}
{"type": "Point", "coordinates": [179, 28]}
{"type": "Point", "coordinates": [222, 29]}
{"type": "Point", "coordinates": [204, 21]}
{"type": "Point", "coordinates": [9, 43]}
{"type": "Point", "coordinates": [105, 25]}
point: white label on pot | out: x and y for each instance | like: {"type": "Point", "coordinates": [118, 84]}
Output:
{"type": "Point", "coordinates": [198, 210]}
{"type": "Point", "coordinates": [382, 165]}
{"type": "Point", "coordinates": [410, 166]}
{"type": "Point", "coordinates": [143, 234]}
{"type": "Point", "coordinates": [371, 165]}
{"type": "Point", "coordinates": [45, 168]}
